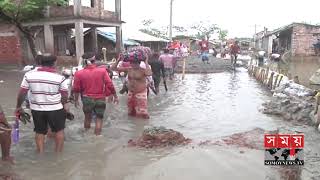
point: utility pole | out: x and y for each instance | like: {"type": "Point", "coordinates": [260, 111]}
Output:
{"type": "Point", "coordinates": [170, 25]}
{"type": "Point", "coordinates": [254, 36]}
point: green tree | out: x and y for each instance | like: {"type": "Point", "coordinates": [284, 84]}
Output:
{"type": "Point", "coordinates": [17, 12]}
{"type": "Point", "coordinates": [204, 29]}
{"type": "Point", "coordinates": [148, 28]}
{"type": "Point", "coordinates": [162, 32]}
{"type": "Point", "coordinates": [223, 34]}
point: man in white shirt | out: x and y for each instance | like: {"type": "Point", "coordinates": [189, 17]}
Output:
{"type": "Point", "coordinates": [48, 97]}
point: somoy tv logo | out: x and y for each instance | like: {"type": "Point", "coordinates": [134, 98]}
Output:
{"type": "Point", "coordinates": [284, 149]}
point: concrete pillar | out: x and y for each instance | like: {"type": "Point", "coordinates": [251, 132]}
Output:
{"type": "Point", "coordinates": [79, 41]}
{"type": "Point", "coordinates": [118, 9]}
{"type": "Point", "coordinates": [48, 38]}
{"type": "Point", "coordinates": [77, 7]}
{"type": "Point", "coordinates": [100, 4]}
{"type": "Point", "coordinates": [94, 42]}
{"type": "Point", "coordinates": [47, 12]}
{"type": "Point", "coordinates": [119, 44]}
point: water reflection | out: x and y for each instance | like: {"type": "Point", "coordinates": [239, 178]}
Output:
{"type": "Point", "coordinates": [203, 84]}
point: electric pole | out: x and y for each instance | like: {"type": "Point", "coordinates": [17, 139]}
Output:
{"type": "Point", "coordinates": [170, 25]}
{"type": "Point", "coordinates": [254, 36]}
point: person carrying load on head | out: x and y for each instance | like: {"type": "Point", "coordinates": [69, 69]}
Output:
{"type": "Point", "coordinates": [137, 84]}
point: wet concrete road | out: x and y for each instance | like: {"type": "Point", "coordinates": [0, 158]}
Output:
{"type": "Point", "coordinates": [202, 107]}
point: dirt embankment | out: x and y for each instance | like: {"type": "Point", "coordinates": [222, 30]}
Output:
{"type": "Point", "coordinates": [194, 64]}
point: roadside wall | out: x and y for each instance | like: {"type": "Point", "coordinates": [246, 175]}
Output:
{"type": "Point", "coordinates": [10, 48]}
{"type": "Point", "coordinates": [303, 38]}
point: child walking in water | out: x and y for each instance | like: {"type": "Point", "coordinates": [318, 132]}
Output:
{"type": "Point", "coordinates": [5, 137]}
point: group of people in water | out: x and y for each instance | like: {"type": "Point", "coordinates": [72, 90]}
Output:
{"type": "Point", "coordinates": [48, 93]}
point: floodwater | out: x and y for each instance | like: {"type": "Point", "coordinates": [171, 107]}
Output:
{"type": "Point", "coordinates": [202, 107]}
{"type": "Point", "coordinates": [303, 67]}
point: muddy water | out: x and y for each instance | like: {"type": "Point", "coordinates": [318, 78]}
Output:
{"type": "Point", "coordinates": [202, 107]}
{"type": "Point", "coordinates": [304, 68]}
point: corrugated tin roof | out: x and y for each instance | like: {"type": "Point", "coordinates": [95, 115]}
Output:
{"type": "Point", "coordinates": [143, 37]}
{"type": "Point", "coordinates": [112, 37]}
{"type": "Point", "coordinates": [284, 28]}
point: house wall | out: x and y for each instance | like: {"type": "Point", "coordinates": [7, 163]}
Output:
{"type": "Point", "coordinates": [265, 43]}
{"type": "Point", "coordinates": [258, 40]}
{"type": "Point", "coordinates": [62, 38]}
{"type": "Point", "coordinates": [59, 11]}
{"type": "Point", "coordinates": [303, 38]}
{"type": "Point", "coordinates": [285, 40]}
{"type": "Point", "coordinates": [155, 46]}
{"type": "Point", "coordinates": [96, 12]}
{"type": "Point", "coordinates": [10, 49]}
{"type": "Point", "coordinates": [270, 44]}
{"type": "Point", "coordinates": [102, 43]}
{"type": "Point", "coordinates": [62, 42]}
{"type": "Point", "coordinates": [194, 46]}
{"type": "Point", "coordinates": [111, 48]}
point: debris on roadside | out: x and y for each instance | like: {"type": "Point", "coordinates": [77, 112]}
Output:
{"type": "Point", "coordinates": [154, 137]}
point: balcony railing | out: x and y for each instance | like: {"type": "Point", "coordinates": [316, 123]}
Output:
{"type": "Point", "coordinates": [86, 12]}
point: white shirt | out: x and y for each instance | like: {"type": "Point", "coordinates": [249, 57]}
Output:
{"type": "Point", "coordinates": [261, 53]}
{"type": "Point", "coordinates": [45, 89]}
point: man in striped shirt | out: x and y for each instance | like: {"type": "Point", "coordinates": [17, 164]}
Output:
{"type": "Point", "coordinates": [48, 98]}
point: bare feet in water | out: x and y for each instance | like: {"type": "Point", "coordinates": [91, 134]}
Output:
{"type": "Point", "coordinates": [9, 159]}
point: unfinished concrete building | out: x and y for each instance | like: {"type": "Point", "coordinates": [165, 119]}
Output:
{"type": "Point", "coordinates": [55, 29]}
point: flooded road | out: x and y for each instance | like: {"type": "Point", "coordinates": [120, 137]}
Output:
{"type": "Point", "coordinates": [202, 107]}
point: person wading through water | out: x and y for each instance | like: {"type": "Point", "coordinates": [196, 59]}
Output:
{"type": "Point", "coordinates": [137, 85]}
{"type": "Point", "coordinates": [5, 137]}
{"type": "Point", "coordinates": [168, 62]}
{"type": "Point", "coordinates": [48, 101]}
{"type": "Point", "coordinates": [94, 85]}
{"type": "Point", "coordinates": [204, 49]}
{"type": "Point", "coordinates": [234, 51]}
{"type": "Point", "coordinates": [157, 68]}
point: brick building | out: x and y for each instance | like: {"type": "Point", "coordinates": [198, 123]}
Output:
{"type": "Point", "coordinates": [296, 37]}
{"type": "Point", "coordinates": [10, 47]}
{"type": "Point", "coordinates": [53, 32]}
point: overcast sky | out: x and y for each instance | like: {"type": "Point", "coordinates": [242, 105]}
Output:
{"type": "Point", "coordinates": [237, 16]}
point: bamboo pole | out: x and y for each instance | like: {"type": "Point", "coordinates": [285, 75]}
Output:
{"type": "Point", "coordinates": [270, 81]}
{"type": "Point", "coordinates": [183, 68]}
{"type": "Point", "coordinates": [281, 77]}
{"type": "Point", "coordinates": [184, 63]}
{"type": "Point", "coordinates": [104, 51]}
{"type": "Point", "coordinates": [276, 81]}
{"type": "Point", "coordinates": [267, 77]}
